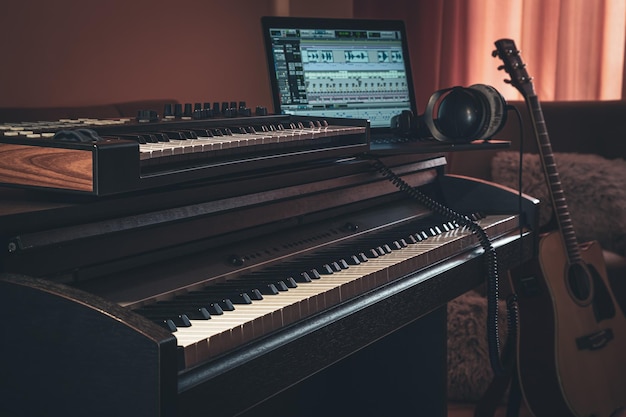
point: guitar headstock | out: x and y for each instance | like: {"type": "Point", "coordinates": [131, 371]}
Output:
{"type": "Point", "coordinates": [514, 66]}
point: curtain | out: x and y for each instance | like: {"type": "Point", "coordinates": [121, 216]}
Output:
{"type": "Point", "coordinates": [573, 49]}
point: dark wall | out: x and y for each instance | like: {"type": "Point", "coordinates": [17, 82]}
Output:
{"type": "Point", "coordinates": [75, 52]}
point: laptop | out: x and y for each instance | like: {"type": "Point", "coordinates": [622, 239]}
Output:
{"type": "Point", "coordinates": [348, 68]}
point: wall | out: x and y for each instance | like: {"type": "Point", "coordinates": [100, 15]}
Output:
{"type": "Point", "coordinates": [76, 52]}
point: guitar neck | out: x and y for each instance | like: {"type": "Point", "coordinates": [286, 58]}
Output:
{"type": "Point", "coordinates": [552, 177]}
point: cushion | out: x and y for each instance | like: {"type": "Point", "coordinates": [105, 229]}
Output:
{"type": "Point", "coordinates": [594, 189]}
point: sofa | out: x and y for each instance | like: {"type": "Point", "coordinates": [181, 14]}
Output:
{"type": "Point", "coordinates": [589, 143]}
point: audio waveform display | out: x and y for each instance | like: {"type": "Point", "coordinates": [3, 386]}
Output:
{"type": "Point", "coordinates": [320, 56]}
{"type": "Point", "coordinates": [355, 86]}
{"type": "Point", "coordinates": [351, 56]}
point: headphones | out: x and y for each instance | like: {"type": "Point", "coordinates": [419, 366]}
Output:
{"type": "Point", "coordinates": [457, 115]}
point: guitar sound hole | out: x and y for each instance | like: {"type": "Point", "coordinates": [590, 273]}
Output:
{"type": "Point", "coordinates": [603, 306]}
{"type": "Point", "coordinates": [579, 283]}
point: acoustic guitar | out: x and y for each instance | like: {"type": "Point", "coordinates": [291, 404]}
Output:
{"type": "Point", "coordinates": [571, 352]}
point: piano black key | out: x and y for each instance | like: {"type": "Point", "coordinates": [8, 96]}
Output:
{"type": "Point", "coordinates": [398, 244]}
{"type": "Point", "coordinates": [270, 279]}
{"type": "Point", "coordinates": [149, 138]}
{"type": "Point", "coordinates": [212, 303]}
{"type": "Point", "coordinates": [193, 312]}
{"type": "Point", "coordinates": [179, 320]}
{"type": "Point", "coordinates": [204, 133]}
{"type": "Point", "coordinates": [295, 271]}
{"type": "Point", "coordinates": [185, 304]}
{"type": "Point", "coordinates": [314, 274]}
{"type": "Point", "coordinates": [302, 277]}
{"type": "Point", "coordinates": [236, 297]}
{"type": "Point", "coordinates": [356, 259]}
{"type": "Point", "coordinates": [288, 282]}
{"type": "Point", "coordinates": [181, 134]}
{"type": "Point", "coordinates": [268, 288]}
{"type": "Point", "coordinates": [238, 291]}
{"type": "Point", "coordinates": [167, 324]}
{"type": "Point", "coordinates": [343, 264]}
{"type": "Point", "coordinates": [133, 136]}
{"type": "Point", "coordinates": [190, 134]}
{"type": "Point", "coordinates": [263, 286]}
{"type": "Point", "coordinates": [161, 137]}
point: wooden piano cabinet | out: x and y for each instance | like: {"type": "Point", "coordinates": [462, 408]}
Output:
{"type": "Point", "coordinates": [67, 353]}
{"type": "Point", "coordinates": [402, 374]}
{"type": "Point", "coordinates": [72, 345]}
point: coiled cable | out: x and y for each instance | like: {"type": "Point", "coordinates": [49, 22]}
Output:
{"type": "Point", "coordinates": [493, 338]}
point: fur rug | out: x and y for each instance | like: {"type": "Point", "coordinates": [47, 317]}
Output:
{"type": "Point", "coordinates": [469, 369]}
{"type": "Point", "coordinates": [594, 189]}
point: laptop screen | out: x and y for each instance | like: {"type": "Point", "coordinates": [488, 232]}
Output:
{"type": "Point", "coordinates": [348, 68]}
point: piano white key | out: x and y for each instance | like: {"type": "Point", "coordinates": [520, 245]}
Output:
{"type": "Point", "coordinates": [206, 338]}
{"type": "Point", "coordinates": [251, 320]}
{"type": "Point", "coordinates": [240, 140]}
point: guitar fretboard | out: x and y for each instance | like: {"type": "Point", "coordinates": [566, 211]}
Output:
{"type": "Point", "coordinates": [554, 182]}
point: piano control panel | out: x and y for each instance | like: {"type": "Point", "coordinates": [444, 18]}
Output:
{"type": "Point", "coordinates": [113, 156]}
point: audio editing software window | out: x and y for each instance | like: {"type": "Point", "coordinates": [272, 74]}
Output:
{"type": "Point", "coordinates": [341, 73]}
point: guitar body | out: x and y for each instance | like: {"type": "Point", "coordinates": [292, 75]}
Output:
{"type": "Point", "coordinates": [571, 354]}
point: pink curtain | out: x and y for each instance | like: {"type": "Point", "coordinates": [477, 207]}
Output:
{"type": "Point", "coordinates": [574, 49]}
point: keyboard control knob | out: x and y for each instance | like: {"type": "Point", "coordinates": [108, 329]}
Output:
{"type": "Point", "coordinates": [145, 116]}
{"type": "Point", "coordinates": [188, 110]}
{"type": "Point", "coordinates": [168, 113]}
{"type": "Point", "coordinates": [178, 110]}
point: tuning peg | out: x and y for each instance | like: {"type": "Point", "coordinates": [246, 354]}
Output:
{"type": "Point", "coordinates": [507, 81]}
{"type": "Point", "coordinates": [494, 53]}
{"type": "Point", "coordinates": [501, 67]}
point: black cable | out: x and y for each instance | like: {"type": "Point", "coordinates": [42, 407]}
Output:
{"type": "Point", "coordinates": [513, 403]}
{"type": "Point", "coordinates": [493, 338]}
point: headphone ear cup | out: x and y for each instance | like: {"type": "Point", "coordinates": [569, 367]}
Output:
{"type": "Point", "coordinates": [454, 114]}
{"type": "Point", "coordinates": [494, 110]}
{"type": "Point", "coordinates": [460, 114]}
